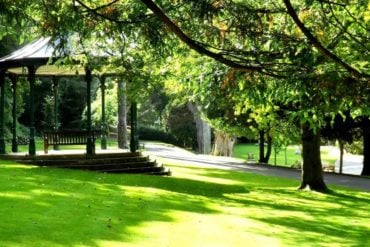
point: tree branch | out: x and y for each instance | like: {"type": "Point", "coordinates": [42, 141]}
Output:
{"type": "Point", "coordinates": [95, 11]}
{"type": "Point", "coordinates": [316, 43]}
{"type": "Point", "coordinates": [194, 44]}
{"type": "Point", "coordinates": [344, 27]}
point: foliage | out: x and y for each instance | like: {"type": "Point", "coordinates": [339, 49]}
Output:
{"type": "Point", "coordinates": [73, 95]}
{"type": "Point", "coordinates": [152, 110]}
{"type": "Point", "coordinates": [356, 147]}
{"type": "Point", "coordinates": [110, 104]}
{"type": "Point", "coordinates": [315, 62]}
{"type": "Point", "coordinates": [48, 110]}
{"type": "Point", "coordinates": [154, 134]}
{"type": "Point", "coordinates": [303, 60]}
{"type": "Point", "coordinates": [180, 124]}
{"type": "Point", "coordinates": [7, 44]}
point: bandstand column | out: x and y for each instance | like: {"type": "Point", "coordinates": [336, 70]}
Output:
{"type": "Point", "coordinates": [13, 78]}
{"type": "Point", "coordinates": [134, 140]}
{"type": "Point", "coordinates": [31, 80]}
{"type": "Point", "coordinates": [103, 118]}
{"type": "Point", "coordinates": [56, 108]}
{"type": "Point", "coordinates": [90, 149]}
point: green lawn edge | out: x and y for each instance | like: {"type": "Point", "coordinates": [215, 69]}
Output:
{"type": "Point", "coordinates": [196, 206]}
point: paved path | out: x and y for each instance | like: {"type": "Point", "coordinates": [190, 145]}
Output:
{"type": "Point", "coordinates": [181, 155]}
{"type": "Point", "coordinates": [352, 164]}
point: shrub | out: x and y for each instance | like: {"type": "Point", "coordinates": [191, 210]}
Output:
{"type": "Point", "coordinates": [356, 147]}
{"type": "Point", "coordinates": [181, 125]}
{"type": "Point", "coordinates": [152, 134]}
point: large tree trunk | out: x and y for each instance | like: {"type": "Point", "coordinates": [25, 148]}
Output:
{"type": "Point", "coordinates": [312, 174]}
{"type": "Point", "coordinates": [203, 130]}
{"type": "Point", "coordinates": [366, 136]}
{"type": "Point", "coordinates": [223, 145]}
{"type": "Point", "coordinates": [264, 158]}
{"type": "Point", "coordinates": [269, 149]}
{"type": "Point", "coordinates": [122, 136]}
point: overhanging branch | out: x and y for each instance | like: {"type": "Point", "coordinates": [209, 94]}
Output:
{"type": "Point", "coordinates": [194, 44]}
{"type": "Point", "coordinates": [316, 43]}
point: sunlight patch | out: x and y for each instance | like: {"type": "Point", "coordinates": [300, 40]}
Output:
{"type": "Point", "coordinates": [15, 195]}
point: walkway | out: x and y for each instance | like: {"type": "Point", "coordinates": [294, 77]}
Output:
{"type": "Point", "coordinates": [352, 164]}
{"type": "Point", "coordinates": [183, 156]}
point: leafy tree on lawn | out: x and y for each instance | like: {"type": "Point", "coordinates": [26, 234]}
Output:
{"type": "Point", "coordinates": [263, 37]}
{"type": "Point", "coordinates": [324, 32]}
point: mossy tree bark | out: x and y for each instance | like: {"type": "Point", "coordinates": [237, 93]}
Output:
{"type": "Point", "coordinates": [203, 130]}
{"type": "Point", "coordinates": [224, 144]}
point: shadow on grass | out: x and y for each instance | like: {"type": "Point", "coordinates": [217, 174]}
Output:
{"type": "Point", "coordinates": [339, 219]}
{"type": "Point", "coordinates": [239, 177]}
{"type": "Point", "coordinates": [50, 206]}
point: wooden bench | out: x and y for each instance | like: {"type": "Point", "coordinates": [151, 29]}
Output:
{"type": "Point", "coordinates": [67, 137]}
{"type": "Point", "coordinates": [328, 168]}
{"type": "Point", "coordinates": [250, 157]}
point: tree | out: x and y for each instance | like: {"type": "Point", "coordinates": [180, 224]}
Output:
{"type": "Point", "coordinates": [303, 43]}
{"type": "Point", "coordinates": [122, 115]}
{"type": "Point", "coordinates": [203, 130]}
{"type": "Point", "coordinates": [309, 136]}
{"type": "Point", "coordinates": [180, 123]}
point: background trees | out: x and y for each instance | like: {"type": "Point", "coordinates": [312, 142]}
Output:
{"type": "Point", "coordinates": [300, 61]}
{"type": "Point", "coordinates": [317, 53]}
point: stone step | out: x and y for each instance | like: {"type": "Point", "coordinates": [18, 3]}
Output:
{"type": "Point", "coordinates": [99, 167]}
{"type": "Point", "coordinates": [83, 162]}
{"type": "Point", "coordinates": [70, 156]}
{"type": "Point", "coordinates": [164, 172]}
{"type": "Point", "coordinates": [146, 170]}
{"type": "Point", "coordinates": [107, 162]}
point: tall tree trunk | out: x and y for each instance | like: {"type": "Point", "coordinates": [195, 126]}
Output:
{"type": "Point", "coordinates": [264, 158]}
{"type": "Point", "coordinates": [269, 149]}
{"type": "Point", "coordinates": [223, 145]}
{"type": "Point", "coordinates": [341, 151]}
{"type": "Point", "coordinates": [261, 144]}
{"type": "Point", "coordinates": [312, 174]}
{"type": "Point", "coordinates": [122, 136]}
{"type": "Point", "coordinates": [366, 138]}
{"type": "Point", "coordinates": [203, 130]}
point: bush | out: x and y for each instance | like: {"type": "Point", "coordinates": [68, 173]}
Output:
{"type": "Point", "coordinates": [152, 134]}
{"type": "Point", "coordinates": [181, 125]}
{"type": "Point", "coordinates": [356, 147]}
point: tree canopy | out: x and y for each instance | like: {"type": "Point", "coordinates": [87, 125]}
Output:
{"type": "Point", "coordinates": [300, 61]}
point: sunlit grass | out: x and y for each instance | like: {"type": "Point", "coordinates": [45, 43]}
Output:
{"type": "Point", "coordinates": [284, 157]}
{"type": "Point", "coordinates": [197, 206]}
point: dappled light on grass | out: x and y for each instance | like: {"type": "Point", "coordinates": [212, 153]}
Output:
{"type": "Point", "coordinates": [197, 206]}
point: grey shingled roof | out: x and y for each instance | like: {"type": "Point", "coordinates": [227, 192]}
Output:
{"type": "Point", "coordinates": [41, 53]}
{"type": "Point", "coordinates": [37, 52]}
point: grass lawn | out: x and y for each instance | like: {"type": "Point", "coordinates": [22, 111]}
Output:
{"type": "Point", "coordinates": [242, 150]}
{"type": "Point", "coordinates": [194, 207]}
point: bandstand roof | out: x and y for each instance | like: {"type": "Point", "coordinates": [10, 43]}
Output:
{"type": "Point", "coordinates": [40, 53]}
